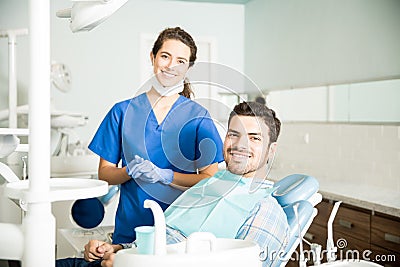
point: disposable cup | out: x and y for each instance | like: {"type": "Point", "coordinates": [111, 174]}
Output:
{"type": "Point", "coordinates": [145, 239]}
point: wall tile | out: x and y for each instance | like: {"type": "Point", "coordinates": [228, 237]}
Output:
{"type": "Point", "coordinates": [367, 154]}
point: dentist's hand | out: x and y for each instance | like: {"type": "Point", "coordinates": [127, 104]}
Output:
{"type": "Point", "coordinates": [146, 171]}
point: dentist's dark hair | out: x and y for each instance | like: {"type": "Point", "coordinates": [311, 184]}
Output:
{"type": "Point", "coordinates": [180, 35]}
{"type": "Point", "coordinates": [255, 109]}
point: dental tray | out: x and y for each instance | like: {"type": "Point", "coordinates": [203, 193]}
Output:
{"type": "Point", "coordinates": [59, 189]}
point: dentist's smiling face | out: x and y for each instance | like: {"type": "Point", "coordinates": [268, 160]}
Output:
{"type": "Point", "coordinates": [246, 146]}
{"type": "Point", "coordinates": [171, 62]}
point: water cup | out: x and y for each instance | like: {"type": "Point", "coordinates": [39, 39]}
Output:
{"type": "Point", "coordinates": [145, 239]}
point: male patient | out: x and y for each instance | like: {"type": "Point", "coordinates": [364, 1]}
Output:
{"type": "Point", "coordinates": [234, 203]}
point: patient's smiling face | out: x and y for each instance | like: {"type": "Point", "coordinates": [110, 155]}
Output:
{"type": "Point", "coordinates": [246, 146]}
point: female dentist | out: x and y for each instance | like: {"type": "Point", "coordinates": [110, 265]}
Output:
{"type": "Point", "coordinates": [164, 139]}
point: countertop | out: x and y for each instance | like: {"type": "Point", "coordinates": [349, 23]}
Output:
{"type": "Point", "coordinates": [376, 199]}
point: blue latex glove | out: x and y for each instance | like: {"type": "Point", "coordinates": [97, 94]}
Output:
{"type": "Point", "coordinates": [146, 171]}
{"type": "Point", "coordinates": [131, 165]}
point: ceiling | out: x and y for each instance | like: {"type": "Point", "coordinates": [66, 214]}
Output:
{"type": "Point", "coordinates": [219, 1]}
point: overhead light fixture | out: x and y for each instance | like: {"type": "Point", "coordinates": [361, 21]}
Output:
{"type": "Point", "coordinates": [85, 15]}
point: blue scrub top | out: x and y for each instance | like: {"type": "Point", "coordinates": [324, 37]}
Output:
{"type": "Point", "coordinates": [186, 140]}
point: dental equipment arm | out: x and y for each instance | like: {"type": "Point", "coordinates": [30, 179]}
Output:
{"type": "Point", "coordinates": [7, 173]}
{"type": "Point", "coordinates": [8, 144]}
{"type": "Point", "coordinates": [330, 246]}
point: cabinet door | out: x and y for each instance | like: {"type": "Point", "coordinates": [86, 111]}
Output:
{"type": "Point", "coordinates": [324, 211]}
{"type": "Point", "coordinates": [349, 247]}
{"type": "Point", "coordinates": [353, 223]}
{"type": "Point", "coordinates": [316, 234]}
{"type": "Point", "coordinates": [385, 232]}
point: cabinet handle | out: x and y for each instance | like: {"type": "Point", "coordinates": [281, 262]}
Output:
{"type": "Point", "coordinates": [309, 236]}
{"type": "Point", "coordinates": [345, 224]}
{"type": "Point", "coordinates": [392, 238]}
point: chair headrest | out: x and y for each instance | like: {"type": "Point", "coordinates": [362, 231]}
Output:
{"type": "Point", "coordinates": [295, 187]}
{"type": "Point", "coordinates": [305, 211]}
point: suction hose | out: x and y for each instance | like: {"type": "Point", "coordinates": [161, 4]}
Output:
{"type": "Point", "coordinates": [160, 240]}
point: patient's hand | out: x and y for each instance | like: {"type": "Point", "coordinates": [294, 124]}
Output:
{"type": "Point", "coordinates": [95, 250]}
{"type": "Point", "coordinates": [108, 259]}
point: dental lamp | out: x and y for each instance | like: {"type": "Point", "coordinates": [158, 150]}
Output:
{"type": "Point", "coordinates": [61, 76]}
{"type": "Point", "coordinates": [85, 15]}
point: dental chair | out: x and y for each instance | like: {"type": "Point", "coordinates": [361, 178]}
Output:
{"type": "Point", "coordinates": [298, 195]}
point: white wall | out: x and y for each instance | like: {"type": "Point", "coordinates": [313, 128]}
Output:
{"type": "Point", "coordinates": [291, 44]}
{"type": "Point", "coordinates": [14, 15]}
{"type": "Point", "coordinates": [105, 62]}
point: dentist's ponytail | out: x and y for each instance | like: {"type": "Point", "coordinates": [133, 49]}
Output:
{"type": "Point", "coordinates": [187, 89]}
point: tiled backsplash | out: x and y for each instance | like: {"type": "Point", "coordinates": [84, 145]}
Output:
{"type": "Point", "coordinates": [366, 154]}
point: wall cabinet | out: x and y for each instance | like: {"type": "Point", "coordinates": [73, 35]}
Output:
{"type": "Point", "coordinates": [358, 234]}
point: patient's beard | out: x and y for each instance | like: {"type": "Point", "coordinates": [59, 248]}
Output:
{"type": "Point", "coordinates": [247, 168]}
{"type": "Point", "coordinates": [240, 168]}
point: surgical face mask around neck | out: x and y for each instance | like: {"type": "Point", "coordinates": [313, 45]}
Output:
{"type": "Point", "coordinates": [166, 90]}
